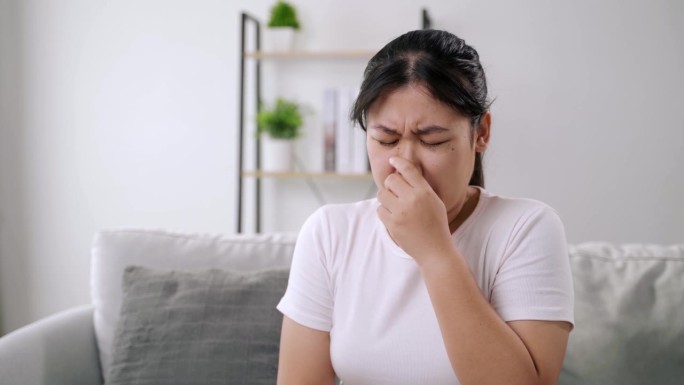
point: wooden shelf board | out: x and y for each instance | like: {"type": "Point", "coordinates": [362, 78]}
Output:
{"type": "Point", "coordinates": [293, 175]}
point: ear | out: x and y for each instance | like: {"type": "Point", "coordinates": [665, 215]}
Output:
{"type": "Point", "coordinates": [482, 132]}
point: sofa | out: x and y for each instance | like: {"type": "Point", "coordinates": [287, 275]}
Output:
{"type": "Point", "coordinates": [171, 308]}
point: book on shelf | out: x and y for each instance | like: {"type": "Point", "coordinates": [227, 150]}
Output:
{"type": "Point", "coordinates": [344, 141]}
{"type": "Point", "coordinates": [329, 122]}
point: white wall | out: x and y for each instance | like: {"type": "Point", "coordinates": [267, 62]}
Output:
{"type": "Point", "coordinates": [123, 113]}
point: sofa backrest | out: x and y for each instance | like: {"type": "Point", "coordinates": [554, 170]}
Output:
{"type": "Point", "coordinates": [629, 300]}
{"type": "Point", "coordinates": [114, 250]}
{"type": "Point", "coordinates": [629, 315]}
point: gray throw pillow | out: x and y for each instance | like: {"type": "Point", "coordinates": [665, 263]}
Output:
{"type": "Point", "coordinates": [207, 327]}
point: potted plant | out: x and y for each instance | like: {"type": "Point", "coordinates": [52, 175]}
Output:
{"type": "Point", "coordinates": [282, 125]}
{"type": "Point", "coordinates": [282, 25]}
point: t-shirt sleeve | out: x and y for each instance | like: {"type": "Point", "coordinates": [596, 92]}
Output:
{"type": "Point", "coordinates": [534, 280]}
{"type": "Point", "coordinates": [308, 298]}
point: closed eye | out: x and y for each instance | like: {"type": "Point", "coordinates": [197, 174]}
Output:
{"type": "Point", "coordinates": [424, 143]}
{"type": "Point", "coordinates": [387, 143]}
{"type": "Point", "coordinates": [436, 144]}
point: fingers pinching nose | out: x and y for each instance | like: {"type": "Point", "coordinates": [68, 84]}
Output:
{"type": "Point", "coordinates": [386, 182]}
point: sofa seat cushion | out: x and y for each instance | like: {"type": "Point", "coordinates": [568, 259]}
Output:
{"type": "Point", "coordinates": [114, 250]}
{"type": "Point", "coordinates": [629, 315]}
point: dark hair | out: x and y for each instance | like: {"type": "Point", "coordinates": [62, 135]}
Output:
{"type": "Point", "coordinates": [441, 62]}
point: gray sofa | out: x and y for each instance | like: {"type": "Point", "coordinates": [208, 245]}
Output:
{"type": "Point", "coordinates": [629, 314]}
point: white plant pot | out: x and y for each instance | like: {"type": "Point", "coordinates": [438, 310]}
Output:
{"type": "Point", "coordinates": [279, 39]}
{"type": "Point", "coordinates": [276, 154]}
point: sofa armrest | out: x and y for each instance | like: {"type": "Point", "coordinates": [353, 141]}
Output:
{"type": "Point", "coordinates": [57, 350]}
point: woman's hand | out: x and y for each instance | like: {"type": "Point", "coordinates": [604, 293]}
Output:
{"type": "Point", "coordinates": [414, 215]}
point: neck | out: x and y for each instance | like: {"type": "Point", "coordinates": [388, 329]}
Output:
{"type": "Point", "coordinates": [472, 196]}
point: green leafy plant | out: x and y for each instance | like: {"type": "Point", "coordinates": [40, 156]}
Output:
{"type": "Point", "coordinates": [283, 14]}
{"type": "Point", "coordinates": [284, 121]}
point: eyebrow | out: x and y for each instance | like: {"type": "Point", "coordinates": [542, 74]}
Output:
{"type": "Point", "coordinates": [430, 130]}
{"type": "Point", "coordinates": [422, 131]}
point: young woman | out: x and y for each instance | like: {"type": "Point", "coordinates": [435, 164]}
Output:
{"type": "Point", "coordinates": [437, 280]}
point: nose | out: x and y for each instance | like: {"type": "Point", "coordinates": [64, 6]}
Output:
{"type": "Point", "coordinates": [409, 151]}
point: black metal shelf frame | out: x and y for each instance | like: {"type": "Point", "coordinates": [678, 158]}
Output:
{"type": "Point", "coordinates": [245, 19]}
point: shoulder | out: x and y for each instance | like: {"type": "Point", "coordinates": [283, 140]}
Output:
{"type": "Point", "coordinates": [335, 232]}
{"type": "Point", "coordinates": [333, 221]}
{"type": "Point", "coordinates": [501, 204]}
{"type": "Point", "coordinates": [344, 214]}
{"type": "Point", "coordinates": [515, 212]}
{"type": "Point", "coordinates": [352, 209]}
{"type": "Point", "coordinates": [512, 221]}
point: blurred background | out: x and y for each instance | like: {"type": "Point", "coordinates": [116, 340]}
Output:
{"type": "Point", "coordinates": [125, 114]}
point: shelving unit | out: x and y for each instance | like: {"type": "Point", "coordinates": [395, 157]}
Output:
{"type": "Point", "coordinates": [256, 55]}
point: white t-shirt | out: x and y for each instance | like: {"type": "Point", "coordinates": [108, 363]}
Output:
{"type": "Point", "coordinates": [349, 278]}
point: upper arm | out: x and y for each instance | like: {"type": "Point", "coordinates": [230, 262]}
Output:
{"type": "Point", "coordinates": [304, 355]}
{"type": "Point", "coordinates": [305, 350]}
{"type": "Point", "coordinates": [533, 291]}
{"type": "Point", "coordinates": [546, 341]}
{"type": "Point", "coordinates": [534, 280]}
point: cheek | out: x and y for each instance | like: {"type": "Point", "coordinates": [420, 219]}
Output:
{"type": "Point", "coordinates": [380, 167]}
{"type": "Point", "coordinates": [446, 172]}
{"type": "Point", "coordinates": [436, 173]}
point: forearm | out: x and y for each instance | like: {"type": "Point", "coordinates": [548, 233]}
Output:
{"type": "Point", "coordinates": [482, 348]}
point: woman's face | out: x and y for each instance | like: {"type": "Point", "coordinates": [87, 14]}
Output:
{"type": "Point", "coordinates": [411, 124]}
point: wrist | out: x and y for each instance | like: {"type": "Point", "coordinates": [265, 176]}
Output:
{"type": "Point", "coordinates": [439, 259]}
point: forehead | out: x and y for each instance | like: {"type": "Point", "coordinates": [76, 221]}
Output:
{"type": "Point", "coordinates": [412, 103]}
